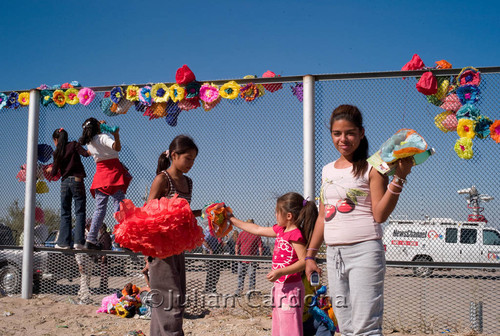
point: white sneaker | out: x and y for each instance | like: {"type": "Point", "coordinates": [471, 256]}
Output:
{"type": "Point", "coordinates": [78, 246]}
{"type": "Point", "coordinates": [62, 247]}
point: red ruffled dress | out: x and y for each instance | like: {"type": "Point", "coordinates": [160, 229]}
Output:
{"type": "Point", "coordinates": [110, 176]}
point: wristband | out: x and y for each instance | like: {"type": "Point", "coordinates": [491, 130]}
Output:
{"type": "Point", "coordinates": [310, 258]}
{"type": "Point", "coordinates": [396, 185]}
{"type": "Point", "coordinates": [311, 249]}
{"type": "Point", "coordinates": [393, 192]}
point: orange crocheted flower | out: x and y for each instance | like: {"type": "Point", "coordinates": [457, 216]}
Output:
{"type": "Point", "coordinates": [495, 131]}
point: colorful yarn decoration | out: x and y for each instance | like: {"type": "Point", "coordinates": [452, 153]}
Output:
{"type": "Point", "coordinates": [271, 87]}
{"type": "Point", "coordinates": [59, 98]}
{"type": "Point", "coordinates": [184, 75]}
{"type": "Point", "coordinates": [132, 93]}
{"type": "Point", "coordinates": [463, 148]}
{"type": "Point", "coordinates": [3, 100]}
{"type": "Point", "coordinates": [122, 107]}
{"type": "Point", "coordinates": [159, 110]}
{"type": "Point", "coordinates": [468, 94]}
{"type": "Point", "coordinates": [405, 143]}
{"type": "Point", "coordinates": [24, 98]}
{"type": "Point", "coordinates": [465, 128]}
{"type": "Point", "coordinates": [173, 112]}
{"type": "Point", "coordinates": [160, 93]}
{"type": "Point", "coordinates": [44, 152]}
{"type": "Point", "coordinates": [13, 100]}
{"type": "Point", "coordinates": [177, 93]}
{"type": "Point", "coordinates": [451, 103]}
{"type": "Point", "coordinates": [49, 176]}
{"type": "Point", "coordinates": [41, 187]}
{"type": "Point", "coordinates": [495, 131]}
{"type": "Point", "coordinates": [230, 90]}
{"type": "Point", "coordinates": [21, 175]}
{"type": "Point", "coordinates": [298, 91]}
{"type": "Point", "coordinates": [106, 107]}
{"type": "Point", "coordinates": [193, 90]}
{"type": "Point", "coordinates": [216, 214]}
{"type": "Point", "coordinates": [208, 106]}
{"type": "Point", "coordinates": [209, 93]}
{"type": "Point", "coordinates": [145, 96]}
{"type": "Point", "coordinates": [249, 92]}
{"type": "Point", "coordinates": [189, 104]}
{"type": "Point", "coordinates": [441, 118]}
{"type": "Point", "coordinates": [116, 94]}
{"type": "Point", "coordinates": [86, 96]}
{"type": "Point", "coordinates": [161, 228]}
{"type": "Point", "coordinates": [469, 76]}
{"type": "Point", "coordinates": [482, 127]}
{"type": "Point", "coordinates": [72, 96]}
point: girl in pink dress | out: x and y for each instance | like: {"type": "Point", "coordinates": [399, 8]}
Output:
{"type": "Point", "coordinates": [296, 217]}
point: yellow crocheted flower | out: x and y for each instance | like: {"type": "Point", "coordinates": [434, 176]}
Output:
{"type": "Point", "coordinates": [442, 89]}
{"type": "Point", "coordinates": [463, 147]}
{"type": "Point", "coordinates": [72, 96]}
{"type": "Point", "coordinates": [230, 90]}
{"type": "Point", "coordinates": [132, 93]}
{"type": "Point", "coordinates": [262, 89]}
{"type": "Point", "coordinates": [59, 98]}
{"type": "Point", "coordinates": [438, 120]}
{"type": "Point", "coordinates": [177, 92]}
{"type": "Point", "coordinates": [465, 128]}
{"type": "Point", "coordinates": [160, 93]}
{"type": "Point", "coordinates": [24, 98]}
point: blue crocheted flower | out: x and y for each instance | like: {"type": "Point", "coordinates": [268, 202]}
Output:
{"type": "Point", "coordinates": [46, 97]}
{"type": "Point", "coordinates": [116, 94]}
{"type": "Point", "coordinates": [468, 94]}
{"type": "Point", "coordinates": [12, 101]}
{"type": "Point", "coordinates": [482, 127]}
{"type": "Point", "coordinates": [468, 111]}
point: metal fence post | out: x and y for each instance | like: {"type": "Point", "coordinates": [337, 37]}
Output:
{"type": "Point", "coordinates": [309, 163]}
{"type": "Point", "coordinates": [29, 200]}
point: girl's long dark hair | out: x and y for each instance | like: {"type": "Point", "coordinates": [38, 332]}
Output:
{"type": "Point", "coordinates": [304, 212]}
{"type": "Point", "coordinates": [180, 145]}
{"type": "Point", "coordinates": [91, 127]}
{"type": "Point", "coordinates": [62, 140]}
{"type": "Point", "coordinates": [353, 114]}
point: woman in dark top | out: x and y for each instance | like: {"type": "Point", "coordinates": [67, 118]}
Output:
{"type": "Point", "coordinates": [67, 162]}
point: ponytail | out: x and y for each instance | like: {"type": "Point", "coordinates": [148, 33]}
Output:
{"type": "Point", "coordinates": [91, 127]}
{"type": "Point", "coordinates": [62, 140]}
{"type": "Point", "coordinates": [304, 212]}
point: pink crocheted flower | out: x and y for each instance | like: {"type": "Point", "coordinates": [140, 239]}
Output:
{"type": "Point", "coordinates": [451, 103]}
{"type": "Point", "coordinates": [86, 96]}
{"type": "Point", "coordinates": [469, 76]}
{"type": "Point", "coordinates": [209, 93]}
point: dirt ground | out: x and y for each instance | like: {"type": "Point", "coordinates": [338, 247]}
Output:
{"type": "Point", "coordinates": [45, 316]}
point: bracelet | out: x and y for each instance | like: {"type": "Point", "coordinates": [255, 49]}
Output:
{"type": "Point", "coordinates": [396, 185]}
{"type": "Point", "coordinates": [309, 258]}
{"type": "Point", "coordinates": [393, 192]}
{"type": "Point", "coordinates": [311, 249]}
{"type": "Point", "coordinates": [399, 179]}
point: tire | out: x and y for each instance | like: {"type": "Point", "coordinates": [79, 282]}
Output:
{"type": "Point", "coordinates": [421, 271]}
{"type": "Point", "coordinates": [10, 279]}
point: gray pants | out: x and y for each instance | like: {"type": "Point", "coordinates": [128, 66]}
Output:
{"type": "Point", "coordinates": [242, 272]}
{"type": "Point", "coordinates": [356, 279]}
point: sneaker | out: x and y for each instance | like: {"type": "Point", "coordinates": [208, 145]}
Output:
{"type": "Point", "coordinates": [62, 247]}
{"type": "Point", "coordinates": [78, 246]}
{"type": "Point", "coordinates": [91, 246]}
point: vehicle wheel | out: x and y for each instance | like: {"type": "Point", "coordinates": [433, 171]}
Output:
{"type": "Point", "coordinates": [10, 279]}
{"type": "Point", "coordinates": [420, 270]}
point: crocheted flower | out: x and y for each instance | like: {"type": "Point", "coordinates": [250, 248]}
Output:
{"type": "Point", "coordinates": [12, 100]}
{"type": "Point", "coordinates": [66, 86]}
{"type": "Point", "coordinates": [133, 93]}
{"type": "Point", "coordinates": [469, 76]}
{"type": "Point", "coordinates": [442, 64]}
{"type": "Point", "coordinates": [116, 94]}
{"type": "Point", "coordinates": [495, 131]}
{"type": "Point", "coordinates": [482, 127]}
{"type": "Point", "coordinates": [160, 93]}
{"type": "Point", "coordinates": [184, 75]}
{"type": "Point", "coordinates": [72, 96]}
{"type": "Point", "coordinates": [46, 97]}
{"type": "Point", "coordinates": [43, 87]}
{"type": "Point", "coordinates": [189, 104]}
{"type": "Point", "coordinates": [177, 92]}
{"type": "Point", "coordinates": [24, 98]}
{"type": "Point", "coordinates": [209, 93]}
{"type": "Point", "coordinates": [59, 98]}
{"type": "Point", "coordinates": [145, 96]}
{"type": "Point", "coordinates": [446, 121]}
{"type": "Point", "coordinates": [468, 111]}
{"type": "Point", "coordinates": [207, 106]}
{"type": "Point", "coordinates": [468, 94]}
{"type": "Point", "coordinates": [451, 103]}
{"type": "Point", "coordinates": [86, 96]}
{"type": "Point", "coordinates": [465, 128]}
{"type": "Point", "coordinates": [271, 87]}
{"type": "Point", "coordinates": [416, 63]}
{"type": "Point", "coordinates": [443, 84]}
{"type": "Point", "coordinates": [193, 90]}
{"type": "Point", "coordinates": [262, 89]}
{"type": "Point", "coordinates": [298, 91]}
{"type": "Point", "coordinates": [249, 92]}
{"type": "Point", "coordinates": [463, 148]}
{"type": "Point", "coordinates": [230, 90]}
{"type": "Point", "coordinates": [3, 100]}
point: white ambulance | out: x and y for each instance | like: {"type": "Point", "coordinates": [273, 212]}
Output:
{"type": "Point", "coordinates": [444, 239]}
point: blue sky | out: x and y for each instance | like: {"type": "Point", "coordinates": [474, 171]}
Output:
{"type": "Point", "coordinates": [105, 43]}
{"type": "Point", "coordinates": [101, 43]}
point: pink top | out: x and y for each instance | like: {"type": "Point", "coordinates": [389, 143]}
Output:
{"type": "Point", "coordinates": [284, 254]}
{"type": "Point", "coordinates": [348, 207]}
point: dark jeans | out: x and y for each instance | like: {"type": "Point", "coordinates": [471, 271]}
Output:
{"type": "Point", "coordinates": [72, 190]}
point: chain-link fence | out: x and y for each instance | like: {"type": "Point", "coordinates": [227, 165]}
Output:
{"type": "Point", "coordinates": [441, 267]}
